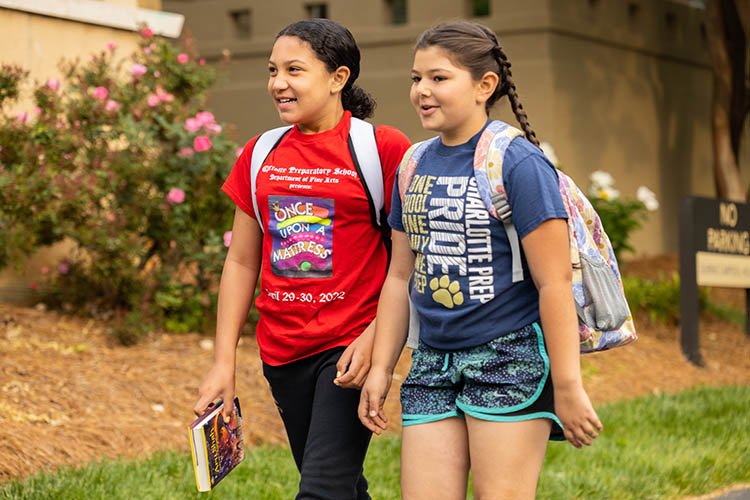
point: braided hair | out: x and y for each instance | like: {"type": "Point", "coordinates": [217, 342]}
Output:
{"type": "Point", "coordinates": [476, 48]}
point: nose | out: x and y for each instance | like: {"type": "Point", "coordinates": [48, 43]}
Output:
{"type": "Point", "coordinates": [277, 83]}
{"type": "Point", "coordinates": [422, 88]}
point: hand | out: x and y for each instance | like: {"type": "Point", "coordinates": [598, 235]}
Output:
{"type": "Point", "coordinates": [581, 424]}
{"type": "Point", "coordinates": [219, 383]}
{"type": "Point", "coordinates": [372, 399]}
{"type": "Point", "coordinates": [354, 363]}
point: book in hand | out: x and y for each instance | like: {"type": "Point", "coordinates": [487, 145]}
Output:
{"type": "Point", "coordinates": [216, 446]}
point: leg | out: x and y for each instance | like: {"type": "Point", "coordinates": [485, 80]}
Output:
{"type": "Point", "coordinates": [293, 389]}
{"type": "Point", "coordinates": [336, 442]}
{"type": "Point", "coordinates": [435, 460]}
{"type": "Point", "coordinates": [506, 457]}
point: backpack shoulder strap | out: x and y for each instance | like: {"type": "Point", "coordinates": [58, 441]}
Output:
{"type": "Point", "coordinates": [488, 170]}
{"type": "Point", "coordinates": [364, 151]}
{"type": "Point", "coordinates": [267, 142]}
{"type": "Point", "coordinates": [408, 165]}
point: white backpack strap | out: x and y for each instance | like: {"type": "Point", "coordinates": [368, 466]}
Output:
{"type": "Point", "coordinates": [266, 142]}
{"type": "Point", "coordinates": [367, 160]}
{"type": "Point", "coordinates": [488, 158]}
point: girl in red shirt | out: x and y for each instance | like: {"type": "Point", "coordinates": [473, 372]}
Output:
{"type": "Point", "coordinates": [321, 260]}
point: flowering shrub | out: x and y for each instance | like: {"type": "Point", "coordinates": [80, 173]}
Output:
{"type": "Point", "coordinates": [619, 216]}
{"type": "Point", "coordinates": [122, 159]}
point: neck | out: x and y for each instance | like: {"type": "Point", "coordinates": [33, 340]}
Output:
{"type": "Point", "coordinates": [326, 121]}
{"type": "Point", "coordinates": [465, 131]}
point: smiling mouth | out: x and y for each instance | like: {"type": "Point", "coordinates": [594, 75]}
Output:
{"type": "Point", "coordinates": [286, 100]}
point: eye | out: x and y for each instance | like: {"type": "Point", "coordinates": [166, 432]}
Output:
{"type": "Point", "coordinates": [415, 78]}
{"type": "Point", "coordinates": [294, 69]}
{"type": "Point", "coordinates": [272, 70]}
{"type": "Point", "coordinates": [439, 78]}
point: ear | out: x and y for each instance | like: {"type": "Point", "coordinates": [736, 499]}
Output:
{"type": "Point", "coordinates": [486, 86]}
{"type": "Point", "coordinates": [339, 77]}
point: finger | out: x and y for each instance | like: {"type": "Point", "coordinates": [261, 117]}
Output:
{"type": "Point", "coordinates": [228, 406]}
{"type": "Point", "coordinates": [351, 371]}
{"type": "Point", "coordinates": [343, 363]}
{"type": "Point", "coordinates": [590, 430]}
{"type": "Point", "coordinates": [202, 404]}
{"type": "Point", "coordinates": [571, 438]}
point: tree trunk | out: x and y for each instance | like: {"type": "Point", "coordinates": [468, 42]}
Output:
{"type": "Point", "coordinates": [726, 168]}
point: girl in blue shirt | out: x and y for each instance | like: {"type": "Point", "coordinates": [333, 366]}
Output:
{"type": "Point", "coordinates": [496, 373]}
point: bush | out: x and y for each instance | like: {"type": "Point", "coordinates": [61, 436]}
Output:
{"type": "Point", "coordinates": [120, 158]}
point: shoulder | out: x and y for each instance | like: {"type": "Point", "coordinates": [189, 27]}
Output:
{"type": "Point", "coordinates": [391, 136]}
{"type": "Point", "coordinates": [521, 151]}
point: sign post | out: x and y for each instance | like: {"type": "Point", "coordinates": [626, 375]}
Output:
{"type": "Point", "coordinates": [714, 251]}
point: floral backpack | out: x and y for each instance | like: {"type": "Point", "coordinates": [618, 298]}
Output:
{"type": "Point", "coordinates": [604, 318]}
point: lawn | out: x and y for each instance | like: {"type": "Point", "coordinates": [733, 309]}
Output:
{"type": "Point", "coordinates": [661, 446]}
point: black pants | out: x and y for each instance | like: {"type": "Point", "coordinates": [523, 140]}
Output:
{"type": "Point", "coordinates": [328, 441]}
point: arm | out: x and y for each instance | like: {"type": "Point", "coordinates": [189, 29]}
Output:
{"type": "Point", "coordinates": [390, 334]}
{"type": "Point", "coordinates": [547, 251]}
{"type": "Point", "coordinates": [236, 291]}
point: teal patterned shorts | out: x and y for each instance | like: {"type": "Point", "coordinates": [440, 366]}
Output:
{"type": "Point", "coordinates": [504, 380]}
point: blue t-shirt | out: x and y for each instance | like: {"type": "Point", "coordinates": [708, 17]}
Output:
{"type": "Point", "coordinates": [462, 285]}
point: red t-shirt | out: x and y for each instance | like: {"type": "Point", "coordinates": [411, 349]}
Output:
{"type": "Point", "coordinates": [323, 262]}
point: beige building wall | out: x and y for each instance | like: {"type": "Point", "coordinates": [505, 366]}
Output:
{"type": "Point", "coordinates": [38, 43]}
{"type": "Point", "coordinates": [617, 85]}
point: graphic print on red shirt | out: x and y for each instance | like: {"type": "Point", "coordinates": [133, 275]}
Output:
{"type": "Point", "coordinates": [302, 232]}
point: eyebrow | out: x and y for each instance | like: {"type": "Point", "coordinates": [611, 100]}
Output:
{"type": "Point", "coordinates": [433, 70]}
{"type": "Point", "coordinates": [292, 61]}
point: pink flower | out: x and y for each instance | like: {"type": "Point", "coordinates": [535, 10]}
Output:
{"type": "Point", "coordinates": [112, 46]}
{"type": "Point", "coordinates": [63, 267]}
{"type": "Point", "coordinates": [138, 69]}
{"type": "Point", "coordinates": [147, 32]}
{"type": "Point", "coordinates": [202, 61]}
{"type": "Point", "coordinates": [101, 93]}
{"type": "Point", "coordinates": [182, 58]}
{"type": "Point", "coordinates": [185, 153]}
{"type": "Point", "coordinates": [175, 196]}
{"type": "Point", "coordinates": [153, 100]}
{"type": "Point", "coordinates": [157, 74]}
{"type": "Point", "coordinates": [44, 270]}
{"type": "Point", "coordinates": [238, 151]}
{"type": "Point", "coordinates": [37, 110]}
{"type": "Point", "coordinates": [202, 143]}
{"type": "Point", "coordinates": [22, 117]}
{"type": "Point", "coordinates": [147, 50]}
{"type": "Point", "coordinates": [227, 238]}
{"type": "Point", "coordinates": [213, 128]}
{"type": "Point", "coordinates": [112, 105]}
{"type": "Point", "coordinates": [53, 84]}
{"type": "Point", "coordinates": [164, 96]}
{"type": "Point", "coordinates": [192, 125]}
{"type": "Point", "coordinates": [205, 117]}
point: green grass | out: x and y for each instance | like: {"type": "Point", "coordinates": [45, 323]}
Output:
{"type": "Point", "coordinates": [655, 447]}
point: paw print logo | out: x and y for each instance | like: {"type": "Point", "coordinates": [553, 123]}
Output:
{"type": "Point", "coordinates": [446, 292]}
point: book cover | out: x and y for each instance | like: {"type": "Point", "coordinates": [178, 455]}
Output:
{"type": "Point", "coordinates": [216, 446]}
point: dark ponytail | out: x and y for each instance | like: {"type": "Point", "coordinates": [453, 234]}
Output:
{"type": "Point", "coordinates": [475, 47]}
{"type": "Point", "coordinates": [335, 46]}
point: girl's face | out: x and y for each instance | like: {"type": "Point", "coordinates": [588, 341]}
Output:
{"type": "Point", "coordinates": [447, 98]}
{"type": "Point", "coordinates": [303, 90]}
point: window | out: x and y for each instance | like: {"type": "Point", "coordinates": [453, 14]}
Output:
{"type": "Point", "coordinates": [317, 10]}
{"type": "Point", "coordinates": [479, 8]}
{"type": "Point", "coordinates": [396, 11]}
{"type": "Point", "coordinates": [241, 22]}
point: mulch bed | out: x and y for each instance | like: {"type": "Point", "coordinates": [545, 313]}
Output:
{"type": "Point", "coordinates": [70, 395]}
